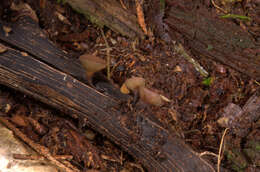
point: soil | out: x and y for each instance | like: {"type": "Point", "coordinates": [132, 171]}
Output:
{"type": "Point", "coordinates": [196, 102]}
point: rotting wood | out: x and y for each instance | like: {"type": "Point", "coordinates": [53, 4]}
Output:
{"type": "Point", "coordinates": [240, 120]}
{"type": "Point", "coordinates": [109, 13]}
{"type": "Point", "coordinates": [211, 37]}
{"type": "Point", "coordinates": [37, 147]}
{"type": "Point", "coordinates": [27, 36]}
{"type": "Point", "coordinates": [147, 141]}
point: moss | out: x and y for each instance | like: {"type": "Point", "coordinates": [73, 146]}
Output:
{"type": "Point", "coordinates": [89, 16]}
{"type": "Point", "coordinates": [236, 158]}
{"type": "Point", "coordinates": [61, 1]}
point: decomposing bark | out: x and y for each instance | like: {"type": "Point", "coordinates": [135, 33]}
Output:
{"type": "Point", "coordinates": [240, 120]}
{"type": "Point", "coordinates": [109, 13]}
{"type": "Point", "coordinates": [211, 37]}
{"type": "Point", "coordinates": [43, 77]}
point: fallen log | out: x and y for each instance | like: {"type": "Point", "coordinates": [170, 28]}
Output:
{"type": "Point", "coordinates": [44, 78]}
{"type": "Point", "coordinates": [110, 14]}
{"type": "Point", "coordinates": [207, 35]}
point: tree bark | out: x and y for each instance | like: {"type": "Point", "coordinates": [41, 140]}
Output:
{"type": "Point", "coordinates": [207, 35]}
{"type": "Point", "coordinates": [109, 13]}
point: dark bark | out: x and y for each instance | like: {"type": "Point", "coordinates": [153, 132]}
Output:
{"type": "Point", "coordinates": [207, 35]}
{"type": "Point", "coordinates": [42, 75]}
{"type": "Point", "coordinates": [109, 13]}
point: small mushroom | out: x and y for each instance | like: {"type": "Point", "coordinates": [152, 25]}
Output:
{"type": "Point", "coordinates": [132, 84]}
{"type": "Point", "coordinates": [92, 64]}
{"type": "Point", "coordinates": [150, 97]}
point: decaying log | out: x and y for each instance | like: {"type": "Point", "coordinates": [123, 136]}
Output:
{"type": "Point", "coordinates": [240, 120]}
{"type": "Point", "coordinates": [109, 13]}
{"type": "Point", "coordinates": [22, 36]}
{"type": "Point", "coordinates": [207, 35]}
{"type": "Point", "coordinates": [62, 88]}
{"type": "Point", "coordinates": [27, 36]}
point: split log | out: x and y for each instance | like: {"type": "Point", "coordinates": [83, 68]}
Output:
{"type": "Point", "coordinates": [42, 76]}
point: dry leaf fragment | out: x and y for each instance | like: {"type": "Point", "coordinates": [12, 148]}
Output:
{"type": "Point", "coordinates": [177, 69]}
{"type": "Point", "coordinates": [62, 18]}
{"type": "Point", "coordinates": [24, 54]}
{"type": "Point", "coordinates": [19, 120]}
{"type": "Point", "coordinates": [165, 98]}
{"type": "Point", "coordinates": [24, 9]}
{"type": "Point", "coordinates": [2, 48]}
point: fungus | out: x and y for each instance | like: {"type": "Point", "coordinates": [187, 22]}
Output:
{"type": "Point", "coordinates": [150, 97]}
{"type": "Point", "coordinates": [92, 64]}
{"type": "Point", "coordinates": [132, 84]}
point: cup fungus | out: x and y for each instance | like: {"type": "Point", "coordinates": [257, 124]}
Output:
{"type": "Point", "coordinates": [92, 64]}
{"type": "Point", "coordinates": [132, 84]}
{"type": "Point", "coordinates": [150, 96]}
{"type": "Point", "coordinates": [137, 86]}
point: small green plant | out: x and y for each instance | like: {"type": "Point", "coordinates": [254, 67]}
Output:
{"type": "Point", "coordinates": [208, 81]}
{"type": "Point", "coordinates": [235, 16]}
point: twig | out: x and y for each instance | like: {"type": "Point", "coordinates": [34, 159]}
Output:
{"type": "Point", "coordinates": [137, 166]}
{"type": "Point", "coordinates": [179, 49]}
{"type": "Point", "coordinates": [37, 147]}
{"type": "Point", "coordinates": [108, 54]}
{"type": "Point", "coordinates": [257, 82]}
{"type": "Point", "coordinates": [140, 15]}
{"type": "Point", "coordinates": [216, 6]}
{"type": "Point", "coordinates": [37, 157]}
{"type": "Point", "coordinates": [220, 148]}
{"type": "Point", "coordinates": [207, 153]}
{"type": "Point", "coordinates": [123, 5]}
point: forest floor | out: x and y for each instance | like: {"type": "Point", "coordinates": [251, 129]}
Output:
{"type": "Point", "coordinates": [196, 103]}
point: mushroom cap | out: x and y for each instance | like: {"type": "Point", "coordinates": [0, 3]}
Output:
{"type": "Point", "coordinates": [135, 83]}
{"type": "Point", "coordinates": [150, 96]}
{"type": "Point", "coordinates": [92, 63]}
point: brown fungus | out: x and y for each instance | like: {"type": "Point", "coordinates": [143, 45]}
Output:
{"type": "Point", "coordinates": [92, 64]}
{"type": "Point", "coordinates": [132, 84]}
{"type": "Point", "coordinates": [150, 97]}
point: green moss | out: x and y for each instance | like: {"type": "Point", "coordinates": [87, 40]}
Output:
{"type": "Point", "coordinates": [61, 1]}
{"type": "Point", "coordinates": [162, 5]}
{"type": "Point", "coordinates": [257, 147]}
{"type": "Point", "coordinates": [89, 16]}
{"type": "Point", "coordinates": [236, 159]}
